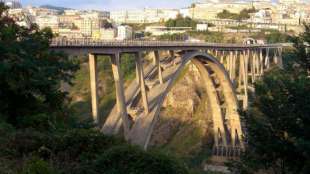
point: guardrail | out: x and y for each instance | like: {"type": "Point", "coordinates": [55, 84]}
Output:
{"type": "Point", "coordinates": [60, 42]}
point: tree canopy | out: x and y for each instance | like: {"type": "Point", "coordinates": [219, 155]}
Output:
{"type": "Point", "coordinates": [32, 140]}
{"type": "Point", "coordinates": [180, 21]}
{"type": "Point", "coordinates": [30, 74]}
{"type": "Point", "coordinates": [244, 14]}
{"type": "Point", "coordinates": [278, 119]}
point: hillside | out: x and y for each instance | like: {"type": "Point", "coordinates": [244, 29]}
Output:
{"type": "Point", "coordinates": [184, 124]}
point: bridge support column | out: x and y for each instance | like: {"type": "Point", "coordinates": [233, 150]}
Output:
{"type": "Point", "coordinates": [93, 86]}
{"type": "Point", "coordinates": [120, 94]}
{"type": "Point", "coordinates": [261, 62]}
{"type": "Point", "coordinates": [230, 64]}
{"type": "Point", "coordinates": [140, 74]}
{"type": "Point", "coordinates": [252, 65]}
{"type": "Point", "coordinates": [171, 53]}
{"type": "Point", "coordinates": [157, 63]}
{"type": "Point", "coordinates": [222, 57]}
{"type": "Point", "coordinates": [245, 67]}
{"type": "Point", "coordinates": [280, 63]}
{"type": "Point", "coordinates": [267, 61]}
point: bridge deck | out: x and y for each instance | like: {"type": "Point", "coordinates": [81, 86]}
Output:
{"type": "Point", "coordinates": [88, 43]}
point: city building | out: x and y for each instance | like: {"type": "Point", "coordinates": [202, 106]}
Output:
{"type": "Point", "coordinates": [262, 16]}
{"type": "Point", "coordinates": [21, 16]}
{"type": "Point", "coordinates": [161, 30]}
{"type": "Point", "coordinates": [124, 32]}
{"type": "Point", "coordinates": [143, 16]}
{"type": "Point", "coordinates": [12, 3]}
{"type": "Point", "coordinates": [202, 27]}
{"type": "Point", "coordinates": [35, 11]}
{"type": "Point", "coordinates": [107, 33]}
{"type": "Point", "coordinates": [50, 21]}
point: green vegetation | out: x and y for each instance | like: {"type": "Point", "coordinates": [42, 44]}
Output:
{"type": "Point", "coordinates": [272, 36]}
{"type": "Point", "coordinates": [278, 120]}
{"type": "Point", "coordinates": [244, 14]}
{"type": "Point", "coordinates": [38, 134]}
{"type": "Point", "coordinates": [173, 37]}
{"type": "Point", "coordinates": [180, 21]}
{"type": "Point", "coordinates": [208, 36]}
{"type": "Point", "coordinates": [240, 27]}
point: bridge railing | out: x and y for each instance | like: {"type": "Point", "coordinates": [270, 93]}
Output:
{"type": "Point", "coordinates": [62, 42]}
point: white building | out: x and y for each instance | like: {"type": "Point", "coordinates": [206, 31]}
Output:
{"type": "Point", "coordinates": [202, 27]}
{"type": "Point", "coordinates": [34, 11]}
{"type": "Point", "coordinates": [162, 30]}
{"type": "Point", "coordinates": [12, 3]}
{"type": "Point", "coordinates": [262, 16]}
{"type": "Point", "coordinates": [48, 21]}
{"type": "Point", "coordinates": [143, 16]}
{"type": "Point", "coordinates": [21, 16]}
{"type": "Point", "coordinates": [92, 14]}
{"type": "Point", "coordinates": [107, 33]}
{"type": "Point", "coordinates": [124, 32]}
{"type": "Point", "coordinates": [289, 1]}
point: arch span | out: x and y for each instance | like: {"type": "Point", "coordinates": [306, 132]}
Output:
{"type": "Point", "coordinates": [221, 98]}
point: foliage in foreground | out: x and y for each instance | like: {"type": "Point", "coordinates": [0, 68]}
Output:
{"type": "Point", "coordinates": [278, 120]}
{"type": "Point", "coordinates": [35, 134]}
{"type": "Point", "coordinates": [79, 151]}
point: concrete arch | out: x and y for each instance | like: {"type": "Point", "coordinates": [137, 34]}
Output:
{"type": "Point", "coordinates": [143, 128]}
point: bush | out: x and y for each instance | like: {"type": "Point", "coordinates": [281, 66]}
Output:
{"type": "Point", "coordinates": [38, 166]}
{"type": "Point", "coordinates": [132, 160]}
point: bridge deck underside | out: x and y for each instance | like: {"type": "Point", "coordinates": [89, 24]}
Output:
{"type": "Point", "coordinates": [141, 131]}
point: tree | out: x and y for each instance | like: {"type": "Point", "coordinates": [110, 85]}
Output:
{"type": "Point", "coordinates": [225, 14]}
{"type": "Point", "coordinates": [244, 14]}
{"type": "Point", "coordinates": [30, 74]}
{"type": "Point", "coordinates": [180, 21]}
{"type": "Point", "coordinates": [278, 120]}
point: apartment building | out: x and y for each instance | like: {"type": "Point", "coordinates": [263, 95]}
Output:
{"type": "Point", "coordinates": [124, 32]}
{"type": "Point", "coordinates": [50, 21]}
{"type": "Point", "coordinates": [143, 16]}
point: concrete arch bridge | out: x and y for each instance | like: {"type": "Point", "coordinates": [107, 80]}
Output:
{"type": "Point", "coordinates": [228, 71]}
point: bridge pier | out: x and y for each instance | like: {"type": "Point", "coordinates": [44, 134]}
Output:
{"type": "Point", "coordinates": [120, 96]}
{"type": "Point", "coordinates": [171, 53]}
{"type": "Point", "coordinates": [261, 62]}
{"type": "Point", "coordinates": [141, 78]}
{"type": "Point", "coordinates": [267, 61]}
{"type": "Point", "coordinates": [157, 63]}
{"type": "Point", "coordinates": [93, 86]}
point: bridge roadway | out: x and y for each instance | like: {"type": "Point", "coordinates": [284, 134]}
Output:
{"type": "Point", "coordinates": [86, 46]}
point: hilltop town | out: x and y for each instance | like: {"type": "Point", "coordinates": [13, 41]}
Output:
{"type": "Point", "coordinates": [212, 16]}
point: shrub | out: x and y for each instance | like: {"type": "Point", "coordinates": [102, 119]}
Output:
{"type": "Point", "coordinates": [38, 166]}
{"type": "Point", "coordinates": [133, 160]}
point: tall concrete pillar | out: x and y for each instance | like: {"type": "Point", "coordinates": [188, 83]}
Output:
{"type": "Point", "coordinates": [142, 82]}
{"type": "Point", "coordinates": [280, 62]}
{"type": "Point", "coordinates": [157, 60]}
{"type": "Point", "coordinates": [261, 62]}
{"type": "Point", "coordinates": [93, 86]}
{"type": "Point", "coordinates": [171, 53]}
{"type": "Point", "coordinates": [245, 78]}
{"type": "Point", "coordinates": [222, 57]}
{"type": "Point", "coordinates": [252, 65]}
{"type": "Point", "coordinates": [120, 92]}
{"type": "Point", "coordinates": [230, 64]}
{"type": "Point", "coordinates": [234, 64]}
{"type": "Point", "coordinates": [275, 57]}
{"type": "Point", "coordinates": [267, 61]}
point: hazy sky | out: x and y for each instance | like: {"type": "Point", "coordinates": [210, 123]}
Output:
{"type": "Point", "coordinates": [110, 4]}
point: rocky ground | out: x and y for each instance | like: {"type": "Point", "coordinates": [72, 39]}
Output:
{"type": "Point", "coordinates": [184, 126]}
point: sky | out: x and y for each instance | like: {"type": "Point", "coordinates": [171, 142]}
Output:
{"type": "Point", "coordinates": [110, 4]}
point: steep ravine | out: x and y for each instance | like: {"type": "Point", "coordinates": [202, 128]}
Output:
{"type": "Point", "coordinates": [184, 125]}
